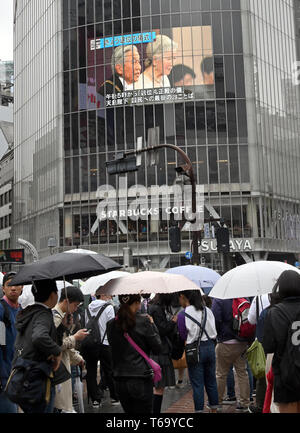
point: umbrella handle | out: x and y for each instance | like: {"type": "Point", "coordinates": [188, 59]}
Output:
{"type": "Point", "coordinates": [66, 293]}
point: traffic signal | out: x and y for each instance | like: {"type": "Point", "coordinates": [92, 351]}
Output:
{"type": "Point", "coordinates": [222, 236]}
{"type": "Point", "coordinates": [122, 164]}
{"type": "Point", "coordinates": [175, 239]}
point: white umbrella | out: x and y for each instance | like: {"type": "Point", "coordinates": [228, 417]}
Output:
{"type": "Point", "coordinates": [251, 279]}
{"type": "Point", "coordinates": [27, 297]}
{"type": "Point", "coordinates": [148, 282]}
{"type": "Point", "coordinates": [80, 251]}
{"type": "Point", "coordinates": [92, 284]}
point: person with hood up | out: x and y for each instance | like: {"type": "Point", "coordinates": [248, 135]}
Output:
{"type": "Point", "coordinates": [100, 352]}
{"type": "Point", "coordinates": [37, 339]}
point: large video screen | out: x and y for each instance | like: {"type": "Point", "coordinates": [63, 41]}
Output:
{"type": "Point", "coordinates": [151, 67]}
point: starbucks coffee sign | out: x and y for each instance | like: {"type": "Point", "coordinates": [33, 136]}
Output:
{"type": "Point", "coordinates": [236, 245]}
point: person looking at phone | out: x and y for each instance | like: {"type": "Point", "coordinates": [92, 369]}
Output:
{"type": "Point", "coordinates": [70, 300]}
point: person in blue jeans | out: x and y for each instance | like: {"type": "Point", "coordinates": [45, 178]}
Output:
{"type": "Point", "coordinates": [231, 398]}
{"type": "Point", "coordinates": [203, 374]}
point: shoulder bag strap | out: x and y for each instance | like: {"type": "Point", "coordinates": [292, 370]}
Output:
{"type": "Point", "coordinates": [257, 309]}
{"type": "Point", "coordinates": [202, 326]}
{"type": "Point", "coordinates": [136, 347]}
{"type": "Point", "coordinates": [97, 317]}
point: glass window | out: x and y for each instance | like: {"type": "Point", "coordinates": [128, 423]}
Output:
{"type": "Point", "coordinates": [221, 122]}
{"type": "Point", "coordinates": [66, 53]}
{"type": "Point", "coordinates": [67, 175]}
{"type": "Point", "coordinates": [81, 12]}
{"type": "Point", "coordinates": [107, 9]}
{"type": "Point", "coordinates": [66, 14]}
{"type": "Point", "coordinates": [211, 122]}
{"type": "Point", "coordinates": [98, 10]}
{"type": "Point", "coordinates": [73, 48]}
{"type": "Point", "coordinates": [237, 32]}
{"type": "Point", "coordinates": [90, 11]}
{"type": "Point", "coordinates": [239, 76]}
{"type": "Point", "coordinates": [66, 93]}
{"type": "Point", "coordinates": [155, 7]}
{"type": "Point", "coordinates": [213, 165]}
{"type": "Point", "coordinates": [73, 13]}
{"type": "Point", "coordinates": [223, 163]}
{"type": "Point", "coordinates": [227, 33]}
{"type": "Point", "coordinates": [231, 120]}
{"type": "Point", "coordinates": [82, 46]}
{"type": "Point", "coordinates": [234, 164]}
{"type": "Point", "coordinates": [75, 143]}
{"type": "Point", "coordinates": [76, 173]}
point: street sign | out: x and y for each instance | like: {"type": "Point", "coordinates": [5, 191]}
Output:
{"type": "Point", "coordinates": [188, 255]}
{"type": "Point", "coordinates": [12, 256]}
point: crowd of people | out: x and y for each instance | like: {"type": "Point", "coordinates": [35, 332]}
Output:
{"type": "Point", "coordinates": [121, 336]}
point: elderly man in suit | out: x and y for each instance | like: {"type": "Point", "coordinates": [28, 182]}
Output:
{"type": "Point", "coordinates": [125, 63]}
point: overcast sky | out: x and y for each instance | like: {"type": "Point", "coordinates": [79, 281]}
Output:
{"type": "Point", "coordinates": [6, 29]}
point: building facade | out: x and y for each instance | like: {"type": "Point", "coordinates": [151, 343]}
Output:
{"type": "Point", "coordinates": [214, 78]}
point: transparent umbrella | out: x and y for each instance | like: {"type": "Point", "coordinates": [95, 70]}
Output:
{"type": "Point", "coordinates": [251, 279]}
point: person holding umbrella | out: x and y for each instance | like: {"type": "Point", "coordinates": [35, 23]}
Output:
{"type": "Point", "coordinates": [134, 383]}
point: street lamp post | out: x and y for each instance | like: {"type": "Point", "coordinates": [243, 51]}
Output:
{"type": "Point", "coordinates": [188, 170]}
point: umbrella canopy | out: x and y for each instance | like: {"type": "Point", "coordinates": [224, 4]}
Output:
{"type": "Point", "coordinates": [148, 282]}
{"type": "Point", "coordinates": [27, 297]}
{"type": "Point", "coordinates": [80, 251]}
{"type": "Point", "coordinates": [203, 277]}
{"type": "Point", "coordinates": [68, 266]}
{"type": "Point", "coordinates": [92, 284]}
{"type": "Point", "coordinates": [251, 279]}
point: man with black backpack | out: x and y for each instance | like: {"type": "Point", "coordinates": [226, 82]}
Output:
{"type": "Point", "coordinates": [9, 308]}
{"type": "Point", "coordinates": [95, 347]}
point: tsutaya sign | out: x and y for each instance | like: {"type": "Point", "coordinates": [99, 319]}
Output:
{"type": "Point", "coordinates": [236, 245]}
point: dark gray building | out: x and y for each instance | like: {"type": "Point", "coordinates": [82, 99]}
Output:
{"type": "Point", "coordinates": [223, 90]}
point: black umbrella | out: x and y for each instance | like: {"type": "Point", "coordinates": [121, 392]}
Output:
{"type": "Point", "coordinates": [68, 266]}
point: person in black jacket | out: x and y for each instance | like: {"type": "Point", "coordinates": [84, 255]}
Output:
{"type": "Point", "coordinates": [275, 335]}
{"type": "Point", "coordinates": [37, 339]}
{"type": "Point", "coordinates": [133, 375]}
{"type": "Point", "coordinates": [160, 310]}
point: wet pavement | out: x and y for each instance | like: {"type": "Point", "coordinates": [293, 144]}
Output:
{"type": "Point", "coordinates": [175, 400]}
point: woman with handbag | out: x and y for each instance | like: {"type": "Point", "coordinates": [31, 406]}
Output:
{"type": "Point", "coordinates": [197, 327]}
{"type": "Point", "coordinates": [132, 336]}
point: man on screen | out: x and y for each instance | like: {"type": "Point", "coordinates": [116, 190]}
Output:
{"type": "Point", "coordinates": [125, 63]}
{"type": "Point", "coordinates": [182, 75]}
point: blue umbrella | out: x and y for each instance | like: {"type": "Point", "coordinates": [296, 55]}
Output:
{"type": "Point", "coordinates": [205, 278]}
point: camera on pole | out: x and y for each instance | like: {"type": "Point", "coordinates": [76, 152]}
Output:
{"type": "Point", "coordinates": [175, 239]}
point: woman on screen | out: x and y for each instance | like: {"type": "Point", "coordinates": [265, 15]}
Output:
{"type": "Point", "coordinates": [158, 64]}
